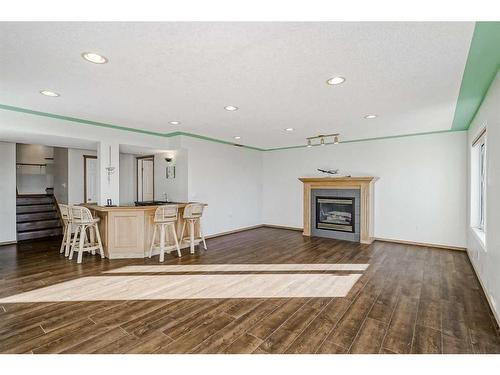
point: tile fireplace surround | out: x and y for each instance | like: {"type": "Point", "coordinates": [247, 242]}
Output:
{"type": "Point", "coordinates": [324, 203]}
{"type": "Point", "coordinates": [365, 187]}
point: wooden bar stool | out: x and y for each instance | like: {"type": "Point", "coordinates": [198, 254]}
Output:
{"type": "Point", "coordinates": [192, 215]}
{"type": "Point", "coordinates": [165, 219]}
{"type": "Point", "coordinates": [65, 211]}
{"type": "Point", "coordinates": [82, 219]}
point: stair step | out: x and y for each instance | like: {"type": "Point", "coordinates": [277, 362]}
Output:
{"type": "Point", "coordinates": [44, 199]}
{"type": "Point", "coordinates": [31, 235]}
{"type": "Point", "coordinates": [36, 208]}
{"type": "Point", "coordinates": [40, 224]}
{"type": "Point", "coordinates": [37, 216]}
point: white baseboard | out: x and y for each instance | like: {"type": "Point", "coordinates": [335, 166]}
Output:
{"type": "Point", "coordinates": [424, 244]}
{"type": "Point", "coordinates": [496, 314]}
{"type": "Point", "coordinates": [8, 243]}
{"type": "Point", "coordinates": [254, 227]}
{"type": "Point", "coordinates": [233, 231]}
{"type": "Point", "coordinates": [282, 227]}
{"type": "Point", "coordinates": [404, 242]}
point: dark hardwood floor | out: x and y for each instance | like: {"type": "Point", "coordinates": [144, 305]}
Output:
{"type": "Point", "coordinates": [410, 300]}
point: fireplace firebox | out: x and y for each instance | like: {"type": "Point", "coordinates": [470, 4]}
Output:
{"type": "Point", "coordinates": [335, 213]}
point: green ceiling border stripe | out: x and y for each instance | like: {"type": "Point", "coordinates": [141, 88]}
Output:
{"type": "Point", "coordinates": [483, 63]}
{"type": "Point", "coordinates": [480, 70]}
{"type": "Point", "coordinates": [213, 140]}
{"type": "Point", "coordinates": [117, 127]}
{"type": "Point", "coordinates": [370, 139]}
{"type": "Point", "coordinates": [192, 135]}
{"type": "Point", "coordinates": [75, 119]}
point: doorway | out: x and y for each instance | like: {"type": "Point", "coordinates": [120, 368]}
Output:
{"type": "Point", "coordinates": [145, 178]}
{"type": "Point", "coordinates": [90, 178]}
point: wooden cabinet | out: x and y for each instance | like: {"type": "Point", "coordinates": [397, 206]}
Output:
{"type": "Point", "coordinates": [126, 232]}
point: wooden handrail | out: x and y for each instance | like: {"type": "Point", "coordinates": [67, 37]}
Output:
{"type": "Point", "coordinates": [32, 164]}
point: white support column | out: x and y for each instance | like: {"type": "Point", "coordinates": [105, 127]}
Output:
{"type": "Point", "coordinates": [8, 192]}
{"type": "Point", "coordinates": [108, 157]}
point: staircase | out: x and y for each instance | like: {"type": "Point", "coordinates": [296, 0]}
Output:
{"type": "Point", "coordinates": [37, 217]}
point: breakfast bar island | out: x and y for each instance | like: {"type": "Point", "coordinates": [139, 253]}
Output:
{"type": "Point", "coordinates": [126, 231]}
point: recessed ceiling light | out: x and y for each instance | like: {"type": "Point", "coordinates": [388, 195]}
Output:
{"type": "Point", "coordinates": [289, 129]}
{"type": "Point", "coordinates": [49, 93]}
{"type": "Point", "coordinates": [237, 137]}
{"type": "Point", "coordinates": [94, 58]}
{"type": "Point", "coordinates": [370, 116]}
{"type": "Point", "coordinates": [336, 80]}
{"type": "Point", "coordinates": [230, 108]}
{"type": "Point", "coordinates": [174, 123]}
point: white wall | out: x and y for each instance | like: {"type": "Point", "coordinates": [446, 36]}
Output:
{"type": "Point", "coordinates": [128, 179]}
{"type": "Point", "coordinates": [60, 168]}
{"type": "Point", "coordinates": [242, 190]}
{"type": "Point", "coordinates": [34, 179]}
{"type": "Point", "coordinates": [68, 175]}
{"type": "Point", "coordinates": [175, 188]}
{"type": "Point", "coordinates": [420, 194]}
{"type": "Point", "coordinates": [15, 126]}
{"type": "Point", "coordinates": [33, 154]}
{"type": "Point", "coordinates": [108, 155]}
{"type": "Point", "coordinates": [229, 179]}
{"type": "Point", "coordinates": [486, 258]}
{"type": "Point", "coordinates": [160, 179]}
{"type": "Point", "coordinates": [7, 192]}
{"type": "Point", "coordinates": [76, 181]}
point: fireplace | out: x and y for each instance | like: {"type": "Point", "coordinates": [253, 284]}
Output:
{"type": "Point", "coordinates": [335, 213]}
{"type": "Point", "coordinates": [339, 207]}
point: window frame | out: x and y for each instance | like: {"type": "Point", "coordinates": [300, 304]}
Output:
{"type": "Point", "coordinates": [478, 203]}
{"type": "Point", "coordinates": [482, 184]}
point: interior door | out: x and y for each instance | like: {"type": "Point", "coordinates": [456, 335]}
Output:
{"type": "Point", "coordinates": [145, 179]}
{"type": "Point", "coordinates": [90, 179]}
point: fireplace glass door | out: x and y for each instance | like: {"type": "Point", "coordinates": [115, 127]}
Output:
{"type": "Point", "coordinates": [335, 213]}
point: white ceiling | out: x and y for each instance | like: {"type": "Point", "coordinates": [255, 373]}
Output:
{"type": "Point", "coordinates": [18, 136]}
{"type": "Point", "coordinates": [407, 73]}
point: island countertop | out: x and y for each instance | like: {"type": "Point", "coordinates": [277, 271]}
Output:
{"type": "Point", "coordinates": [126, 231]}
{"type": "Point", "coordinates": [96, 207]}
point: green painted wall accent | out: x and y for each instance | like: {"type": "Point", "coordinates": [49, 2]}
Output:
{"type": "Point", "coordinates": [481, 68]}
